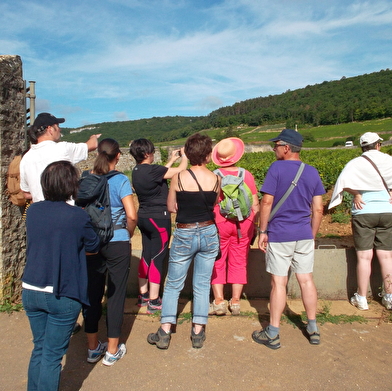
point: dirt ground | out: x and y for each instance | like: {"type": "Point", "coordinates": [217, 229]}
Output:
{"type": "Point", "coordinates": [350, 357]}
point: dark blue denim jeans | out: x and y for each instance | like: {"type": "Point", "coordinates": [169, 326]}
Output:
{"type": "Point", "coordinates": [52, 320]}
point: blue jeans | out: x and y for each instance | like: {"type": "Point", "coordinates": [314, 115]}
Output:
{"type": "Point", "coordinates": [202, 245]}
{"type": "Point", "coordinates": [52, 320]}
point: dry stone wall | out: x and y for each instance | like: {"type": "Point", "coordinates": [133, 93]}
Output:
{"type": "Point", "coordinates": [12, 141]}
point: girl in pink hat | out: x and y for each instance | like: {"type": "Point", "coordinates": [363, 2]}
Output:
{"type": "Point", "coordinates": [235, 237]}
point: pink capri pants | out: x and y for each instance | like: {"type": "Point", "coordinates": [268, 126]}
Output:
{"type": "Point", "coordinates": [231, 267]}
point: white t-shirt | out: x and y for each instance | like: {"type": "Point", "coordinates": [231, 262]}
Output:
{"type": "Point", "coordinates": [39, 156]}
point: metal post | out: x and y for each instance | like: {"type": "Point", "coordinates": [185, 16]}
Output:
{"type": "Point", "coordinates": [32, 97]}
{"type": "Point", "coordinates": [29, 93]}
{"type": "Point", "coordinates": [26, 111]}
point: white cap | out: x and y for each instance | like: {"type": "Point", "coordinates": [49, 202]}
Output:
{"type": "Point", "coordinates": [369, 138]}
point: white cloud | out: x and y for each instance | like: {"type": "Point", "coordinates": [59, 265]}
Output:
{"type": "Point", "coordinates": [121, 116]}
{"type": "Point", "coordinates": [130, 59]}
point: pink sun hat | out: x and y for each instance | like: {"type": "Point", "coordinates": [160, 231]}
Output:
{"type": "Point", "coordinates": [228, 151]}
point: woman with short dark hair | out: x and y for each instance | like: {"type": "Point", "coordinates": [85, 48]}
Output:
{"type": "Point", "coordinates": [192, 195]}
{"type": "Point", "coordinates": [55, 276]}
{"type": "Point", "coordinates": [154, 220]}
{"type": "Point", "coordinates": [60, 181]}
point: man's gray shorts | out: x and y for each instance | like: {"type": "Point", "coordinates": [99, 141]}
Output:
{"type": "Point", "coordinates": [298, 254]}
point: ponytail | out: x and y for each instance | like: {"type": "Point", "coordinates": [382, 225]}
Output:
{"type": "Point", "coordinates": [108, 149]}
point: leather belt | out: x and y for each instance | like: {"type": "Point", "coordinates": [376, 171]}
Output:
{"type": "Point", "coordinates": [195, 225]}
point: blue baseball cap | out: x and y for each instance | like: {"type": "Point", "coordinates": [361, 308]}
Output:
{"type": "Point", "coordinates": [289, 136]}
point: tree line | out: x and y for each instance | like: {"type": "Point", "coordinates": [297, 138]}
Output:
{"type": "Point", "coordinates": [353, 99]}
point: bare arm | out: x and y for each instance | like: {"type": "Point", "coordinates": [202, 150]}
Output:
{"type": "Point", "coordinates": [357, 201]}
{"type": "Point", "coordinates": [27, 195]}
{"type": "Point", "coordinates": [218, 190]}
{"type": "Point", "coordinates": [172, 197]}
{"type": "Point", "coordinates": [265, 211]}
{"type": "Point", "coordinates": [130, 212]}
{"type": "Point", "coordinates": [92, 142]}
{"type": "Point", "coordinates": [182, 166]}
{"type": "Point", "coordinates": [255, 204]}
{"type": "Point", "coordinates": [317, 214]}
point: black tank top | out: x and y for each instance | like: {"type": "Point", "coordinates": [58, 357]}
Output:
{"type": "Point", "coordinates": [191, 205]}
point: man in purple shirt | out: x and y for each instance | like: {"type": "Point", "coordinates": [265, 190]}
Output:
{"type": "Point", "coordinates": [288, 239]}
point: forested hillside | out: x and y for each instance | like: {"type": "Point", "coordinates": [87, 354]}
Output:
{"type": "Point", "coordinates": [347, 100]}
{"type": "Point", "coordinates": [156, 129]}
{"type": "Point", "coordinates": [358, 98]}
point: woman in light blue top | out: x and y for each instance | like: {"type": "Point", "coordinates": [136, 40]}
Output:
{"type": "Point", "coordinates": [112, 261]}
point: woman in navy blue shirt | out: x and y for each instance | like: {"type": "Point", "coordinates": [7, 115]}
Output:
{"type": "Point", "coordinates": [55, 277]}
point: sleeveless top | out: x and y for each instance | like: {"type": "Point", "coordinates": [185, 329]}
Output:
{"type": "Point", "coordinates": [192, 206]}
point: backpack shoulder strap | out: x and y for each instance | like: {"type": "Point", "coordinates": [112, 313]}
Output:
{"type": "Point", "coordinates": [218, 172]}
{"type": "Point", "coordinates": [111, 174]}
{"type": "Point", "coordinates": [241, 172]}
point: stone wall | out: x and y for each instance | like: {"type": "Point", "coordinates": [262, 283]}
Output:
{"type": "Point", "coordinates": [126, 162]}
{"type": "Point", "coordinates": [12, 141]}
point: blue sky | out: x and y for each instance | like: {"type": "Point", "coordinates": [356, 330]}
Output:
{"type": "Point", "coordinates": [115, 60]}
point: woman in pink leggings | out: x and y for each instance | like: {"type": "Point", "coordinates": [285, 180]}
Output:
{"type": "Point", "coordinates": [235, 237]}
{"type": "Point", "coordinates": [150, 183]}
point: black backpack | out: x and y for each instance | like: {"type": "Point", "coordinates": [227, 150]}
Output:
{"type": "Point", "coordinates": [93, 197]}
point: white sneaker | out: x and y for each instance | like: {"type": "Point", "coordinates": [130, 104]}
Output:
{"type": "Point", "coordinates": [359, 302]}
{"type": "Point", "coordinates": [95, 355]}
{"type": "Point", "coordinates": [111, 359]}
{"type": "Point", "coordinates": [387, 303]}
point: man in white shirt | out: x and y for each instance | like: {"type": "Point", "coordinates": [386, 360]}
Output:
{"type": "Point", "coordinates": [45, 148]}
{"type": "Point", "coordinates": [45, 135]}
{"type": "Point", "coordinates": [369, 179]}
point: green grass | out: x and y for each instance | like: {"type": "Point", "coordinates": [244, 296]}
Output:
{"type": "Point", "coordinates": [299, 320]}
{"type": "Point", "coordinates": [340, 217]}
{"type": "Point", "coordinates": [9, 307]}
{"type": "Point", "coordinates": [324, 316]}
{"type": "Point", "coordinates": [185, 317]}
{"type": "Point", "coordinates": [331, 236]}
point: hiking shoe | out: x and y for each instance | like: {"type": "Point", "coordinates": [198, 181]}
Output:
{"type": "Point", "coordinates": [142, 301]}
{"type": "Point", "coordinates": [218, 309]}
{"type": "Point", "coordinates": [152, 308]}
{"type": "Point", "coordinates": [314, 338]}
{"type": "Point", "coordinates": [95, 355]}
{"type": "Point", "coordinates": [161, 339]}
{"type": "Point", "coordinates": [198, 339]}
{"type": "Point", "coordinates": [234, 308]}
{"type": "Point", "coordinates": [387, 303]}
{"type": "Point", "coordinates": [111, 359]}
{"type": "Point", "coordinates": [263, 338]}
{"type": "Point", "coordinates": [359, 302]}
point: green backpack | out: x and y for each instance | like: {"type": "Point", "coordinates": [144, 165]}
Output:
{"type": "Point", "coordinates": [237, 204]}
